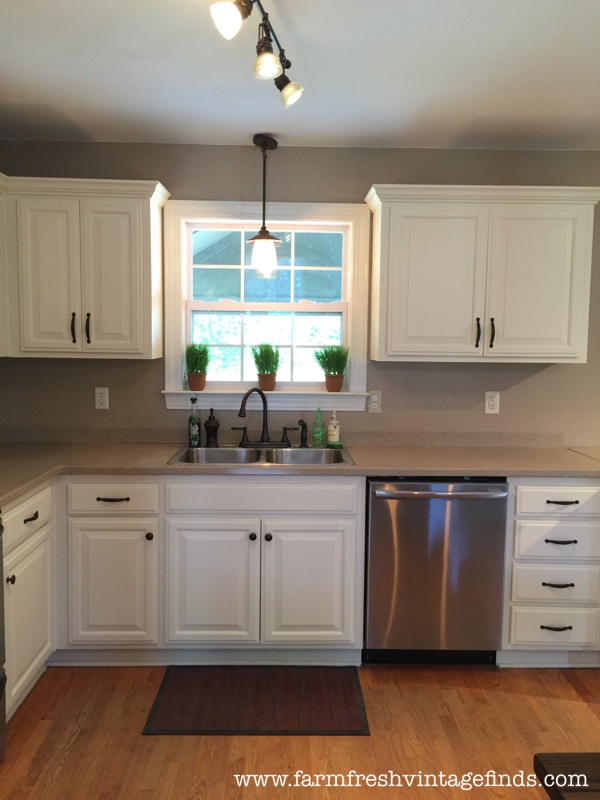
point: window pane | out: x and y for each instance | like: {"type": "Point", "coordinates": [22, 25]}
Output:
{"type": "Point", "coordinates": [216, 247]}
{"type": "Point", "coordinates": [317, 249]}
{"type": "Point", "coordinates": [284, 250]}
{"type": "Point", "coordinates": [274, 289]}
{"type": "Point", "coordinates": [318, 285]}
{"type": "Point", "coordinates": [225, 364]}
{"type": "Point", "coordinates": [273, 328]}
{"type": "Point", "coordinates": [211, 284]}
{"type": "Point", "coordinates": [215, 327]}
{"type": "Point", "coordinates": [305, 366]}
{"type": "Point", "coordinates": [317, 329]}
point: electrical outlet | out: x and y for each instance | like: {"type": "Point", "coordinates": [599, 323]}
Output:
{"type": "Point", "coordinates": [492, 403]}
{"type": "Point", "coordinates": [374, 403]}
{"type": "Point", "coordinates": [102, 398]}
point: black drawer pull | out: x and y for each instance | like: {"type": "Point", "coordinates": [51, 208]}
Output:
{"type": "Point", "coordinates": [149, 536]}
{"type": "Point", "coordinates": [493, 324]}
{"type": "Point", "coordinates": [252, 537]}
{"type": "Point", "coordinates": [562, 502]}
{"type": "Point", "coordinates": [33, 518]}
{"type": "Point", "coordinates": [12, 580]}
{"type": "Point", "coordinates": [87, 328]}
{"type": "Point", "coordinates": [558, 585]}
{"type": "Point", "coordinates": [558, 541]}
{"type": "Point", "coordinates": [558, 630]}
{"type": "Point", "coordinates": [268, 537]}
{"type": "Point", "coordinates": [73, 337]}
{"type": "Point", "coordinates": [478, 339]}
{"type": "Point", "coordinates": [113, 499]}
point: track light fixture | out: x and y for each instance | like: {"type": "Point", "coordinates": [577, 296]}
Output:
{"type": "Point", "coordinates": [228, 16]}
{"type": "Point", "coordinates": [264, 256]}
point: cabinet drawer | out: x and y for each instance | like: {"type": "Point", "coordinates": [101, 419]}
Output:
{"type": "Point", "coordinates": [557, 540]}
{"type": "Point", "coordinates": [577, 627]}
{"type": "Point", "coordinates": [558, 500]}
{"type": "Point", "coordinates": [26, 517]}
{"type": "Point", "coordinates": [551, 583]}
{"type": "Point", "coordinates": [113, 498]}
{"type": "Point", "coordinates": [262, 497]}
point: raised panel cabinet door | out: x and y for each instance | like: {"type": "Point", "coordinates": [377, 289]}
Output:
{"type": "Point", "coordinates": [538, 282]}
{"type": "Point", "coordinates": [49, 274]}
{"type": "Point", "coordinates": [28, 604]}
{"type": "Point", "coordinates": [308, 581]}
{"type": "Point", "coordinates": [112, 275]}
{"type": "Point", "coordinates": [213, 580]}
{"type": "Point", "coordinates": [113, 580]}
{"type": "Point", "coordinates": [436, 291]}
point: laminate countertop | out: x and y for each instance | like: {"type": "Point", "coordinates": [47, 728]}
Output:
{"type": "Point", "coordinates": [26, 465]}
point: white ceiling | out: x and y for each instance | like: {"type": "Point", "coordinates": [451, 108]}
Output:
{"type": "Point", "coordinates": [377, 73]}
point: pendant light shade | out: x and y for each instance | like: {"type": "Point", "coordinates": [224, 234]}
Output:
{"type": "Point", "coordinates": [264, 255]}
{"type": "Point", "coordinates": [267, 65]}
{"type": "Point", "coordinates": [228, 16]}
{"type": "Point", "coordinates": [290, 91]}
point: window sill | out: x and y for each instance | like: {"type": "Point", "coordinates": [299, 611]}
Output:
{"type": "Point", "coordinates": [277, 401]}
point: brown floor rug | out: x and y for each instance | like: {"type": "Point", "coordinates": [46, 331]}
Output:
{"type": "Point", "coordinates": [259, 701]}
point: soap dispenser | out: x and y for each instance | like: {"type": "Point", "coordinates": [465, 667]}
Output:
{"type": "Point", "coordinates": [334, 432]}
{"type": "Point", "coordinates": [194, 425]}
{"type": "Point", "coordinates": [211, 426]}
{"type": "Point", "coordinates": [318, 432]}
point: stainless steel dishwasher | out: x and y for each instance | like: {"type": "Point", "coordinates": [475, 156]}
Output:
{"type": "Point", "coordinates": [435, 568]}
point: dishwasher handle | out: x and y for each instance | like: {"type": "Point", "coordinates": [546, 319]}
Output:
{"type": "Point", "coordinates": [405, 494]}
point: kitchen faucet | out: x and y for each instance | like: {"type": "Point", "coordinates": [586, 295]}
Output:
{"type": "Point", "coordinates": [264, 436]}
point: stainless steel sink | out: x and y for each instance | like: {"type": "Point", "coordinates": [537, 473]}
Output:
{"type": "Point", "coordinates": [216, 455]}
{"type": "Point", "coordinates": [298, 456]}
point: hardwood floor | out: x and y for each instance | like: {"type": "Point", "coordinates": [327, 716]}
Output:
{"type": "Point", "coordinates": [78, 737]}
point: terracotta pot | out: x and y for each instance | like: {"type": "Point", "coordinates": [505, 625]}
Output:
{"type": "Point", "coordinates": [266, 381]}
{"type": "Point", "coordinates": [333, 383]}
{"type": "Point", "coordinates": [196, 381]}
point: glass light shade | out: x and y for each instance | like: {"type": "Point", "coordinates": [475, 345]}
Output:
{"type": "Point", "coordinates": [227, 18]}
{"type": "Point", "coordinates": [290, 93]}
{"type": "Point", "coordinates": [264, 255]}
{"type": "Point", "coordinates": [267, 65]}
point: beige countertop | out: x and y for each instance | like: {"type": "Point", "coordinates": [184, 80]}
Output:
{"type": "Point", "coordinates": [26, 465]}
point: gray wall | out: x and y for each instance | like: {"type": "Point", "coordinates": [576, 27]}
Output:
{"type": "Point", "coordinates": [53, 398]}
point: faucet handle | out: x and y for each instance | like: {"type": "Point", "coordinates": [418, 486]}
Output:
{"type": "Point", "coordinates": [244, 441]}
{"type": "Point", "coordinates": [284, 438]}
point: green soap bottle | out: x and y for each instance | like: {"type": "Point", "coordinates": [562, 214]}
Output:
{"type": "Point", "coordinates": [193, 425]}
{"type": "Point", "coordinates": [318, 432]}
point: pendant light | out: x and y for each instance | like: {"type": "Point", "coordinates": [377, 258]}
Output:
{"type": "Point", "coordinates": [264, 255]}
{"type": "Point", "coordinates": [228, 16]}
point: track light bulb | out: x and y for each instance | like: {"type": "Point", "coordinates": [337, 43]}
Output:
{"type": "Point", "coordinates": [267, 64]}
{"type": "Point", "coordinates": [228, 16]}
{"type": "Point", "coordinates": [291, 92]}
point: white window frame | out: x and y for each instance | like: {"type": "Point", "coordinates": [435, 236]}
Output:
{"type": "Point", "coordinates": [179, 213]}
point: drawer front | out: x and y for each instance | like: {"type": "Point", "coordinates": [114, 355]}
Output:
{"type": "Point", "coordinates": [558, 500]}
{"type": "Point", "coordinates": [262, 498]}
{"type": "Point", "coordinates": [26, 517]}
{"type": "Point", "coordinates": [113, 498]}
{"type": "Point", "coordinates": [556, 584]}
{"type": "Point", "coordinates": [557, 540]}
{"type": "Point", "coordinates": [575, 627]}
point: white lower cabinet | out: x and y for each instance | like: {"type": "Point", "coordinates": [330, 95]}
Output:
{"type": "Point", "coordinates": [28, 616]}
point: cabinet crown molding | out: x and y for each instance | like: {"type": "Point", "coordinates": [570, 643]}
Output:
{"type": "Point", "coordinates": [400, 192]}
{"type": "Point", "coordinates": [84, 187]}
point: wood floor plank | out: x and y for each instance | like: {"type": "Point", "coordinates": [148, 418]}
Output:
{"type": "Point", "coordinates": [78, 737]}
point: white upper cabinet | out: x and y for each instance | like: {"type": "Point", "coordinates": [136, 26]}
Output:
{"type": "Point", "coordinates": [3, 280]}
{"type": "Point", "coordinates": [468, 273]}
{"type": "Point", "coordinates": [87, 268]}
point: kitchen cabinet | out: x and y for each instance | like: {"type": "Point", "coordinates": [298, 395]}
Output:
{"type": "Point", "coordinates": [89, 278]}
{"type": "Point", "coordinates": [272, 571]}
{"type": "Point", "coordinates": [27, 594]}
{"type": "Point", "coordinates": [472, 273]}
{"type": "Point", "coordinates": [553, 566]}
{"type": "Point", "coordinates": [113, 563]}
{"type": "Point", "coordinates": [3, 282]}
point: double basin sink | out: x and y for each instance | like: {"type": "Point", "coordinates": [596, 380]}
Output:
{"type": "Point", "coordinates": [288, 456]}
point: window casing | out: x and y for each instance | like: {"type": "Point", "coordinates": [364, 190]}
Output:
{"type": "Point", "coordinates": [241, 307]}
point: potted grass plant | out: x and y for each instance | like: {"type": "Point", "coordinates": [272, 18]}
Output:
{"type": "Point", "coordinates": [333, 359]}
{"type": "Point", "coordinates": [266, 358]}
{"type": "Point", "coordinates": [197, 358]}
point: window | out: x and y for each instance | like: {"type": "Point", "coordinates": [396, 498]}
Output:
{"type": "Point", "coordinates": [317, 296]}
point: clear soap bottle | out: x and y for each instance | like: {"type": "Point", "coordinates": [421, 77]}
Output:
{"type": "Point", "coordinates": [334, 432]}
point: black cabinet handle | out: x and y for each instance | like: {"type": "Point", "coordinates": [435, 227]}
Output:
{"type": "Point", "coordinates": [73, 337]}
{"type": "Point", "coordinates": [149, 536]}
{"type": "Point", "coordinates": [478, 339]}
{"type": "Point", "coordinates": [268, 537]}
{"type": "Point", "coordinates": [33, 518]}
{"type": "Point", "coordinates": [87, 328]}
{"type": "Point", "coordinates": [558, 541]}
{"type": "Point", "coordinates": [252, 537]}
{"type": "Point", "coordinates": [558, 630]}
{"type": "Point", "coordinates": [12, 580]}
{"type": "Point", "coordinates": [493, 324]}
{"type": "Point", "coordinates": [558, 585]}
{"type": "Point", "coordinates": [562, 502]}
{"type": "Point", "coordinates": [113, 499]}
